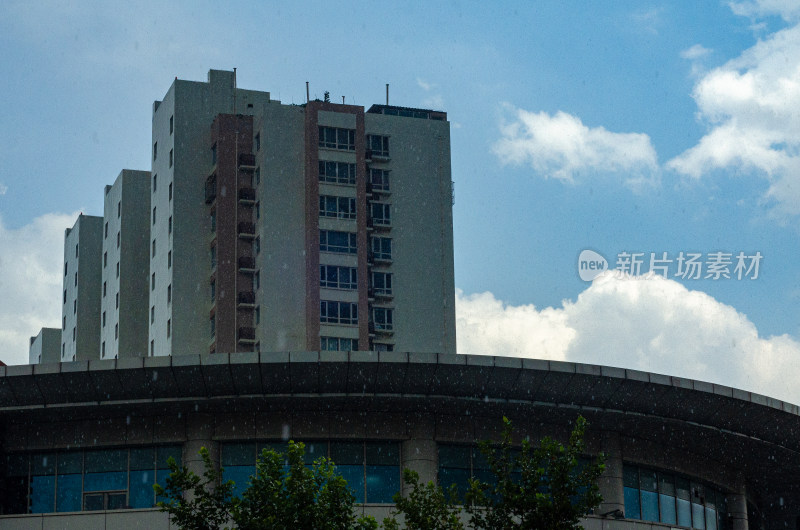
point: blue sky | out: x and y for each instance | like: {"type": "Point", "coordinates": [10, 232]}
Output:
{"type": "Point", "coordinates": [618, 126]}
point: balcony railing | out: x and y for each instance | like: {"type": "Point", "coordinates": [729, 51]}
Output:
{"type": "Point", "coordinates": [247, 161]}
{"type": "Point", "coordinates": [211, 189]}
{"type": "Point", "coordinates": [247, 195]}
{"type": "Point", "coordinates": [247, 264]}
{"type": "Point", "coordinates": [246, 299]}
{"type": "Point", "coordinates": [247, 335]}
{"type": "Point", "coordinates": [247, 230]}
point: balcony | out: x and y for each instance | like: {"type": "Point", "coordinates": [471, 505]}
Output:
{"type": "Point", "coordinates": [247, 264]}
{"type": "Point", "coordinates": [247, 161]}
{"type": "Point", "coordinates": [247, 196]}
{"type": "Point", "coordinates": [246, 300]}
{"type": "Point", "coordinates": [247, 230]}
{"type": "Point", "coordinates": [247, 335]}
{"type": "Point", "coordinates": [211, 189]}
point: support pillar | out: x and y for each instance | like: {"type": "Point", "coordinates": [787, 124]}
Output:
{"type": "Point", "coordinates": [199, 433]}
{"type": "Point", "coordinates": [611, 481]}
{"type": "Point", "coordinates": [420, 455]}
{"type": "Point", "coordinates": [737, 507]}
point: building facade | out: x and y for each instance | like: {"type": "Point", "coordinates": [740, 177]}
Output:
{"type": "Point", "coordinates": [82, 442]}
{"type": "Point", "coordinates": [45, 347]}
{"type": "Point", "coordinates": [80, 313]}
{"type": "Point", "coordinates": [125, 290]}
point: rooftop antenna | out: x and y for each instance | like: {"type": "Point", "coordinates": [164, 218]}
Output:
{"type": "Point", "coordinates": [342, 100]}
{"type": "Point", "coordinates": [308, 95]}
{"type": "Point", "coordinates": [234, 90]}
{"type": "Point", "coordinates": [387, 94]}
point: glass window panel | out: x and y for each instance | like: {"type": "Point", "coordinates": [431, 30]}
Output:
{"type": "Point", "coordinates": [382, 482]}
{"type": "Point", "coordinates": [345, 454]}
{"type": "Point", "coordinates": [711, 519]}
{"type": "Point", "coordinates": [682, 488]}
{"type": "Point", "coordinates": [141, 488]}
{"type": "Point", "coordinates": [43, 490]}
{"type": "Point", "coordinates": [315, 450]}
{"type": "Point", "coordinates": [69, 463]}
{"type": "Point", "coordinates": [454, 456]}
{"type": "Point", "coordinates": [647, 479]}
{"type": "Point", "coordinates": [684, 512]}
{"type": "Point", "coordinates": [106, 460]}
{"type": "Point", "coordinates": [43, 464]}
{"type": "Point", "coordinates": [143, 458]}
{"type": "Point", "coordinates": [163, 454]}
{"type": "Point", "coordinates": [105, 481]}
{"type": "Point", "coordinates": [649, 506]}
{"type": "Point", "coordinates": [630, 477]}
{"type": "Point", "coordinates": [479, 461]}
{"type": "Point", "coordinates": [68, 495]}
{"type": "Point", "coordinates": [698, 516]}
{"type": "Point", "coordinates": [667, 509]}
{"type": "Point", "coordinates": [17, 466]}
{"type": "Point", "coordinates": [240, 475]}
{"type": "Point", "coordinates": [385, 454]}
{"type": "Point", "coordinates": [632, 510]}
{"type": "Point", "coordinates": [93, 502]}
{"type": "Point", "coordinates": [458, 476]}
{"type": "Point", "coordinates": [238, 454]}
{"type": "Point", "coordinates": [666, 484]}
{"type": "Point", "coordinates": [117, 501]}
{"type": "Point", "coordinates": [354, 475]}
{"type": "Point", "coordinates": [15, 499]}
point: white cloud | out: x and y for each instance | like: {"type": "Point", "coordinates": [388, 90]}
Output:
{"type": "Point", "coordinates": [788, 9]}
{"type": "Point", "coordinates": [655, 325]}
{"type": "Point", "coordinates": [3, 188]}
{"type": "Point", "coordinates": [697, 51]}
{"type": "Point", "coordinates": [427, 87]}
{"type": "Point", "coordinates": [30, 281]}
{"type": "Point", "coordinates": [562, 147]}
{"type": "Point", "coordinates": [750, 105]}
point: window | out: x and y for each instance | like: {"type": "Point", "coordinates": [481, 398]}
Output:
{"type": "Point", "coordinates": [65, 296]}
{"type": "Point", "coordinates": [74, 307]}
{"type": "Point", "coordinates": [116, 331]}
{"type": "Point", "coordinates": [257, 315]}
{"type": "Point", "coordinates": [379, 179]}
{"type": "Point", "coordinates": [105, 232]}
{"type": "Point", "coordinates": [213, 323]}
{"type": "Point", "coordinates": [257, 245]}
{"type": "Point", "coordinates": [103, 348]}
{"type": "Point", "coordinates": [382, 318]}
{"type": "Point", "coordinates": [379, 145]}
{"type": "Point", "coordinates": [171, 123]}
{"type": "Point", "coordinates": [258, 210]}
{"type": "Point", "coordinates": [338, 207]}
{"type": "Point", "coordinates": [380, 214]}
{"type": "Point", "coordinates": [170, 191]}
{"type": "Point", "coordinates": [214, 257]}
{"type": "Point", "coordinates": [334, 241]}
{"type": "Point", "coordinates": [76, 279]}
{"type": "Point", "coordinates": [153, 252]}
{"type": "Point", "coordinates": [152, 314]}
{"type": "Point", "coordinates": [155, 183]}
{"type": "Point", "coordinates": [169, 327]}
{"type": "Point", "coordinates": [169, 225]}
{"type": "Point", "coordinates": [214, 154]}
{"type": "Point", "coordinates": [169, 259]}
{"type": "Point", "coordinates": [337, 172]}
{"type": "Point", "coordinates": [116, 301]}
{"type": "Point", "coordinates": [104, 319]}
{"type": "Point", "coordinates": [152, 347]}
{"type": "Point", "coordinates": [118, 269]}
{"type": "Point", "coordinates": [382, 248]}
{"type": "Point", "coordinates": [334, 277]}
{"type": "Point", "coordinates": [338, 344]}
{"type": "Point", "coordinates": [336, 138]}
{"type": "Point", "coordinates": [213, 287]}
{"type": "Point", "coordinates": [105, 288]}
{"type": "Point", "coordinates": [153, 282]}
{"type": "Point", "coordinates": [74, 333]}
{"type": "Point", "coordinates": [672, 499]}
{"type": "Point", "coordinates": [76, 250]}
{"type": "Point", "coordinates": [65, 270]}
{"type": "Point", "coordinates": [119, 210]}
{"type": "Point", "coordinates": [169, 293]}
{"type": "Point", "coordinates": [258, 176]}
{"type": "Point", "coordinates": [105, 259]}
{"type": "Point", "coordinates": [257, 141]}
{"type": "Point", "coordinates": [155, 150]}
{"type": "Point", "coordinates": [381, 283]}
{"type": "Point", "coordinates": [332, 312]}
{"type": "Point", "coordinates": [379, 346]}
{"type": "Point", "coordinates": [118, 239]}
{"type": "Point", "coordinates": [213, 219]}
{"type": "Point", "coordinates": [70, 481]}
{"type": "Point", "coordinates": [458, 463]}
{"type": "Point", "coordinates": [63, 323]}
{"type": "Point", "coordinates": [257, 280]}
{"type": "Point", "coordinates": [170, 157]}
{"type": "Point", "coordinates": [154, 215]}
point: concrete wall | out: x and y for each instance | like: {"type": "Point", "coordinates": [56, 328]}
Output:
{"type": "Point", "coordinates": [45, 347]}
{"type": "Point", "coordinates": [83, 243]}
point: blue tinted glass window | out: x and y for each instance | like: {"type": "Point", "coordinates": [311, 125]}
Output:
{"type": "Point", "coordinates": [632, 510]}
{"type": "Point", "coordinates": [649, 506]}
{"type": "Point", "coordinates": [141, 488]}
{"type": "Point", "coordinates": [382, 483]}
{"type": "Point", "coordinates": [684, 512]}
{"type": "Point", "coordinates": [165, 452]}
{"type": "Point", "coordinates": [451, 476]}
{"type": "Point", "coordinates": [43, 493]}
{"type": "Point", "coordinates": [354, 475]}
{"type": "Point", "coordinates": [698, 516]}
{"type": "Point", "coordinates": [68, 496]}
{"type": "Point", "coordinates": [711, 519]}
{"type": "Point", "coordinates": [238, 454]}
{"type": "Point", "coordinates": [315, 450]}
{"type": "Point", "coordinates": [667, 509]}
{"type": "Point", "coordinates": [240, 475]}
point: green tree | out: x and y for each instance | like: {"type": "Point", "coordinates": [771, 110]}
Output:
{"type": "Point", "coordinates": [544, 487]}
{"type": "Point", "coordinates": [426, 507]}
{"type": "Point", "coordinates": [284, 494]}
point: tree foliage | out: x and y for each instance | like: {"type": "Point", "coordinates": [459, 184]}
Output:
{"type": "Point", "coordinates": [426, 507]}
{"type": "Point", "coordinates": [284, 494]}
{"type": "Point", "coordinates": [544, 487]}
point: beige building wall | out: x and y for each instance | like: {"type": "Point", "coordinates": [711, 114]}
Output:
{"type": "Point", "coordinates": [45, 347]}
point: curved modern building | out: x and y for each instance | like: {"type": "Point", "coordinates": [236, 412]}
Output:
{"type": "Point", "coordinates": [82, 442]}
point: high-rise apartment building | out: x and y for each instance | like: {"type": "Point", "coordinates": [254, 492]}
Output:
{"type": "Point", "coordinates": [80, 314]}
{"type": "Point", "coordinates": [298, 227]}
{"type": "Point", "coordinates": [127, 248]}
{"type": "Point", "coordinates": [45, 347]}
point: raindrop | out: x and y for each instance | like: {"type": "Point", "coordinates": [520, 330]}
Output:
{"type": "Point", "coordinates": [127, 420]}
{"type": "Point", "coordinates": [155, 376]}
{"type": "Point", "coordinates": [285, 432]}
